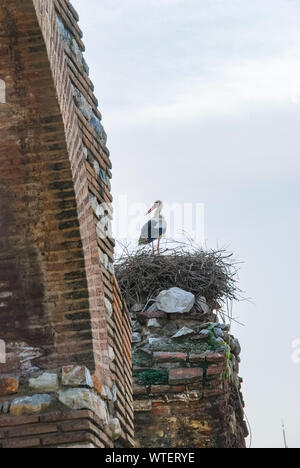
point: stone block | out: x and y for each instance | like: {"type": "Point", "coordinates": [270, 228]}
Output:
{"type": "Point", "coordinates": [185, 332]}
{"type": "Point", "coordinates": [76, 376]}
{"type": "Point", "coordinates": [45, 383]}
{"type": "Point", "coordinates": [175, 300]}
{"type": "Point", "coordinates": [83, 398]}
{"type": "Point", "coordinates": [153, 323]}
{"type": "Point", "coordinates": [30, 405]}
{"type": "Point", "coordinates": [115, 427]}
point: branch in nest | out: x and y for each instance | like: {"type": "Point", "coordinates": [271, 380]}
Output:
{"type": "Point", "coordinates": [212, 273]}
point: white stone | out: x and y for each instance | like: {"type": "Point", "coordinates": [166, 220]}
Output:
{"type": "Point", "coordinates": [154, 341]}
{"type": "Point", "coordinates": [108, 306]}
{"type": "Point", "coordinates": [201, 301]}
{"type": "Point", "coordinates": [45, 383]}
{"type": "Point", "coordinates": [82, 398]}
{"type": "Point", "coordinates": [76, 376]}
{"type": "Point", "coordinates": [115, 427]}
{"type": "Point", "coordinates": [106, 393]}
{"type": "Point", "coordinates": [111, 353]}
{"type": "Point", "coordinates": [105, 260]}
{"type": "Point", "coordinates": [137, 308]}
{"type": "Point", "coordinates": [111, 268]}
{"type": "Point", "coordinates": [153, 323]}
{"type": "Point", "coordinates": [114, 393]}
{"type": "Point", "coordinates": [175, 301]}
{"type": "Point", "coordinates": [185, 331]}
{"type": "Point", "coordinates": [136, 338]}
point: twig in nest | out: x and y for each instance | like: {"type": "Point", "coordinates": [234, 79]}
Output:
{"type": "Point", "coordinates": [211, 273]}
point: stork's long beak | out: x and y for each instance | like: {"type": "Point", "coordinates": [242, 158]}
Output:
{"type": "Point", "coordinates": [151, 209]}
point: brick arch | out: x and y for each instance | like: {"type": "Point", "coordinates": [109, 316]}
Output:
{"type": "Point", "coordinates": [59, 300]}
{"type": "Point", "coordinates": [44, 297]}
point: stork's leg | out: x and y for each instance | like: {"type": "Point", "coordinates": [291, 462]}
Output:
{"type": "Point", "coordinates": [158, 246]}
{"type": "Point", "coordinates": [152, 248]}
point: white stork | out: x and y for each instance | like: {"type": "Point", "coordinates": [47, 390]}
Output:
{"type": "Point", "coordinates": [155, 229]}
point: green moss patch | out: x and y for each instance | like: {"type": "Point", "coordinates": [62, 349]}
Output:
{"type": "Point", "coordinates": [152, 377]}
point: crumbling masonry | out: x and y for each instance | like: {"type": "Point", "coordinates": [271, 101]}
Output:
{"type": "Point", "coordinates": [186, 376]}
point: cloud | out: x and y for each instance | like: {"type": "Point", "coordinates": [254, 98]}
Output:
{"type": "Point", "coordinates": [229, 88]}
{"type": "Point", "coordinates": [175, 60]}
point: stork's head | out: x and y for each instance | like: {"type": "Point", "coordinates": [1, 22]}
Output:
{"type": "Point", "coordinates": [158, 205]}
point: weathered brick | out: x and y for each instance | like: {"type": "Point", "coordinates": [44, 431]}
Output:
{"type": "Point", "coordinates": [215, 358]}
{"type": "Point", "coordinates": [139, 390]}
{"type": "Point", "coordinates": [160, 409]}
{"type": "Point", "coordinates": [142, 405]}
{"type": "Point", "coordinates": [36, 429]}
{"type": "Point", "coordinates": [215, 370]}
{"type": "Point", "coordinates": [7, 421]}
{"type": "Point", "coordinates": [65, 415]}
{"type": "Point", "coordinates": [67, 438]}
{"type": "Point", "coordinates": [169, 357]}
{"type": "Point", "coordinates": [158, 314]}
{"type": "Point", "coordinates": [164, 389]}
{"type": "Point", "coordinates": [185, 375]}
{"type": "Point", "coordinates": [22, 443]}
{"type": "Point", "coordinates": [194, 358]}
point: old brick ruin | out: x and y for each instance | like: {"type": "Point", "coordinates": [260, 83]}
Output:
{"type": "Point", "coordinates": [66, 380]}
{"type": "Point", "coordinates": [65, 331]}
{"type": "Point", "coordinates": [186, 383]}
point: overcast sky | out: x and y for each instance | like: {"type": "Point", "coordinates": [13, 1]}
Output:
{"type": "Point", "coordinates": [201, 103]}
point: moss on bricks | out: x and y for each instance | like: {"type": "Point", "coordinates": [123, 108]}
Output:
{"type": "Point", "coordinates": [152, 377]}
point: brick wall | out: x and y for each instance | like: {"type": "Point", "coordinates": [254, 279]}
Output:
{"type": "Point", "coordinates": [59, 301]}
{"type": "Point", "coordinates": [68, 429]}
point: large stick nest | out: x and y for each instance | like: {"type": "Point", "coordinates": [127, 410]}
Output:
{"type": "Point", "coordinates": [212, 274]}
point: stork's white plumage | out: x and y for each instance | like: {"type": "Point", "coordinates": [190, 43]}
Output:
{"type": "Point", "coordinates": [156, 228]}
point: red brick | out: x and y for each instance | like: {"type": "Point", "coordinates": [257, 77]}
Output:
{"type": "Point", "coordinates": [36, 429]}
{"type": "Point", "coordinates": [163, 389]}
{"type": "Point", "coordinates": [215, 358]}
{"type": "Point", "coordinates": [160, 409]}
{"type": "Point", "coordinates": [185, 375]}
{"type": "Point", "coordinates": [155, 314]}
{"type": "Point", "coordinates": [65, 415]}
{"type": "Point", "coordinates": [67, 438]}
{"type": "Point", "coordinates": [79, 425]}
{"type": "Point", "coordinates": [22, 443]}
{"type": "Point", "coordinates": [169, 357]}
{"type": "Point", "coordinates": [213, 371]}
{"type": "Point", "coordinates": [17, 421]}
